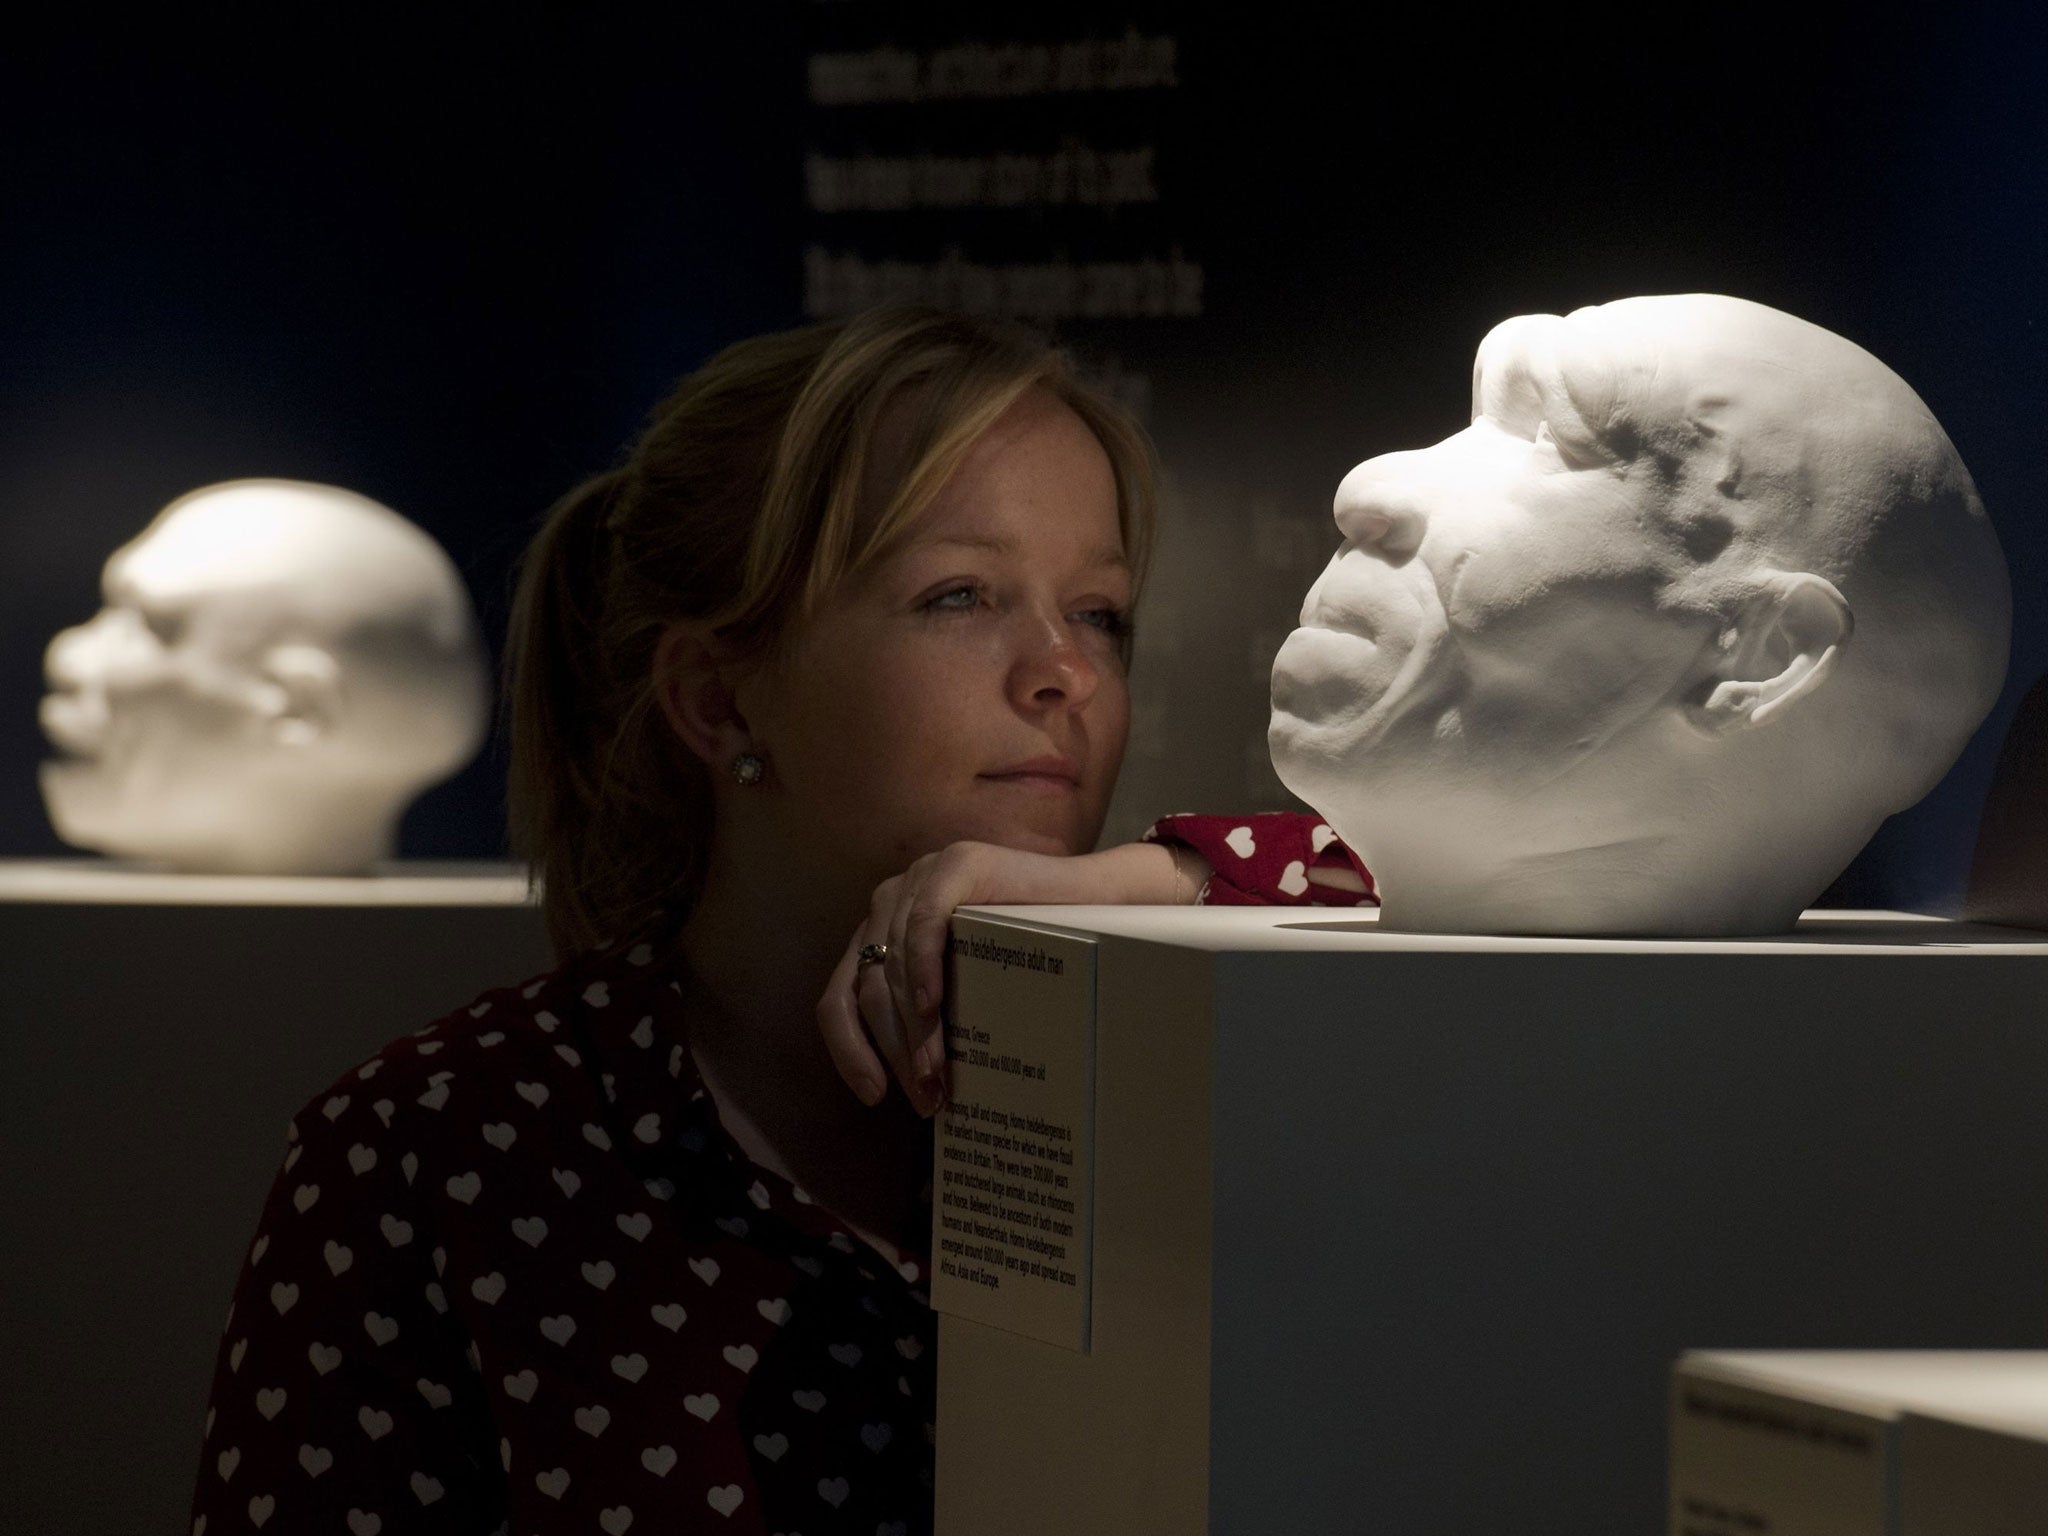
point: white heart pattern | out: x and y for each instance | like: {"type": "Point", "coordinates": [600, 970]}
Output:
{"type": "Point", "coordinates": [771, 1446]}
{"type": "Point", "coordinates": [558, 1329]}
{"type": "Point", "coordinates": [397, 1233]}
{"type": "Point", "coordinates": [725, 1498]}
{"type": "Point", "coordinates": [270, 1402]}
{"type": "Point", "coordinates": [705, 1270]}
{"type": "Point", "coordinates": [658, 1459]}
{"type": "Point", "coordinates": [535, 1094]}
{"type": "Point", "coordinates": [592, 1420]}
{"type": "Point", "coordinates": [632, 1367]}
{"type": "Point", "coordinates": [227, 1461]}
{"type": "Point", "coordinates": [671, 1316]}
{"type": "Point", "coordinates": [637, 1226]}
{"type": "Point", "coordinates": [704, 1405]}
{"type": "Point", "coordinates": [381, 1329]}
{"type": "Point", "coordinates": [647, 1128]}
{"type": "Point", "coordinates": [554, 1484]}
{"type": "Point", "coordinates": [522, 1386]}
{"type": "Point", "coordinates": [364, 1524]}
{"type": "Point", "coordinates": [376, 1423]}
{"type": "Point", "coordinates": [643, 1033]}
{"type": "Point", "coordinates": [600, 1274]}
{"type": "Point", "coordinates": [569, 1182]}
{"type": "Point", "coordinates": [315, 1459]}
{"type": "Point", "coordinates": [282, 1297]}
{"type": "Point", "coordinates": [833, 1490]}
{"type": "Point", "coordinates": [501, 1135]}
{"type": "Point", "coordinates": [362, 1159]}
{"type": "Point", "coordinates": [776, 1310]}
{"type": "Point", "coordinates": [338, 1258]}
{"type": "Point", "coordinates": [741, 1356]}
{"type": "Point", "coordinates": [615, 1521]}
{"type": "Point", "coordinates": [425, 1488]}
{"type": "Point", "coordinates": [1292, 880]}
{"type": "Point", "coordinates": [1241, 842]}
{"type": "Point", "coordinates": [488, 1288]}
{"type": "Point", "coordinates": [530, 1230]}
{"type": "Point", "coordinates": [467, 1187]}
{"type": "Point", "coordinates": [1321, 837]}
{"type": "Point", "coordinates": [437, 1396]}
{"type": "Point", "coordinates": [333, 1107]}
{"type": "Point", "coordinates": [261, 1508]}
{"type": "Point", "coordinates": [810, 1402]}
{"type": "Point", "coordinates": [304, 1196]}
{"type": "Point", "coordinates": [326, 1357]}
{"type": "Point", "coordinates": [241, 1348]}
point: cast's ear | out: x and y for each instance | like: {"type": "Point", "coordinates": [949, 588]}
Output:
{"type": "Point", "coordinates": [300, 693]}
{"type": "Point", "coordinates": [1780, 647]}
{"type": "Point", "coordinates": [694, 678]}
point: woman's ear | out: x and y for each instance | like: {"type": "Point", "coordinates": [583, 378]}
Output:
{"type": "Point", "coordinates": [695, 675]}
{"type": "Point", "coordinates": [1780, 648]}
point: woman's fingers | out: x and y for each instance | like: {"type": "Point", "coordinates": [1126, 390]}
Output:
{"type": "Point", "coordinates": [839, 1021]}
{"type": "Point", "coordinates": [927, 921]}
{"type": "Point", "coordinates": [887, 1029]}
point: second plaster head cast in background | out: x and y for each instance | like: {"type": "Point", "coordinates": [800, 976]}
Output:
{"type": "Point", "coordinates": [1701, 596]}
{"type": "Point", "coordinates": [279, 670]}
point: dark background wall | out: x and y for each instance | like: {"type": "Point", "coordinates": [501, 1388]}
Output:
{"type": "Point", "coordinates": [450, 265]}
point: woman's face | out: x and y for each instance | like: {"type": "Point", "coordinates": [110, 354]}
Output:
{"type": "Point", "coordinates": [986, 643]}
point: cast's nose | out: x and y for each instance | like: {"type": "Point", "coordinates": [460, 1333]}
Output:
{"type": "Point", "coordinates": [1382, 507]}
{"type": "Point", "coordinates": [84, 654]}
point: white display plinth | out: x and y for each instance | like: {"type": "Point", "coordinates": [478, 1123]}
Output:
{"type": "Point", "coordinates": [1402, 1233]}
{"type": "Point", "coordinates": [159, 1030]}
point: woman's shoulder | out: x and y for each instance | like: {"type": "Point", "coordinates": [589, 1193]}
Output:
{"type": "Point", "coordinates": [533, 1041]}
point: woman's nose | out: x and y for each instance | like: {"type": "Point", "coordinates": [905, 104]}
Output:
{"type": "Point", "coordinates": [1382, 507]}
{"type": "Point", "coordinates": [1055, 667]}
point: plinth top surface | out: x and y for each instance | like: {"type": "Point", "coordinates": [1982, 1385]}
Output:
{"type": "Point", "coordinates": [2003, 1388]}
{"type": "Point", "coordinates": [398, 883]}
{"type": "Point", "coordinates": [1220, 929]}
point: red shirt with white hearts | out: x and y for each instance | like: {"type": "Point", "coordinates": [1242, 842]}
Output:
{"type": "Point", "coordinates": [514, 1275]}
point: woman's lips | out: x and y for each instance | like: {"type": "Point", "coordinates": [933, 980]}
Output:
{"type": "Point", "coordinates": [1036, 783]}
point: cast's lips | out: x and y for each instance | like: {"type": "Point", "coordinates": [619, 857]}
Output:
{"type": "Point", "coordinates": [71, 723]}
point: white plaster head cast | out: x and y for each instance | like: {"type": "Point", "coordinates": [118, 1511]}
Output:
{"type": "Point", "coordinates": [1701, 596]}
{"type": "Point", "coordinates": [279, 670]}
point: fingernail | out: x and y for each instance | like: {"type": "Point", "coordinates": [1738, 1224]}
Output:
{"type": "Point", "coordinates": [871, 1091]}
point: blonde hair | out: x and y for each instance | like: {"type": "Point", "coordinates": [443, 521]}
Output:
{"type": "Point", "coordinates": [740, 505]}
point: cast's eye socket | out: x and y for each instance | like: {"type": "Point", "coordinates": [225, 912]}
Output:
{"type": "Point", "coordinates": [1572, 459]}
{"type": "Point", "coordinates": [169, 628]}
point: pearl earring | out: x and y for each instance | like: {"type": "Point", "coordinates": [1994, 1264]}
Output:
{"type": "Point", "coordinates": [747, 768]}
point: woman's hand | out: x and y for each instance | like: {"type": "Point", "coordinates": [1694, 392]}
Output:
{"type": "Point", "coordinates": [898, 1001]}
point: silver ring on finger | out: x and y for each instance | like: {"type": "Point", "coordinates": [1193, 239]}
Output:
{"type": "Point", "coordinates": [872, 954]}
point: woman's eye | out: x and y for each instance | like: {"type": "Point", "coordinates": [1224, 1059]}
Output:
{"type": "Point", "coordinates": [941, 604]}
{"type": "Point", "coordinates": [1111, 621]}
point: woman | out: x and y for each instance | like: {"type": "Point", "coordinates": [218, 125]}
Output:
{"type": "Point", "coordinates": [841, 646]}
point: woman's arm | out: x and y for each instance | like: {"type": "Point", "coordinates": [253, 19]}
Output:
{"type": "Point", "coordinates": [343, 1388]}
{"type": "Point", "coordinates": [1275, 858]}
